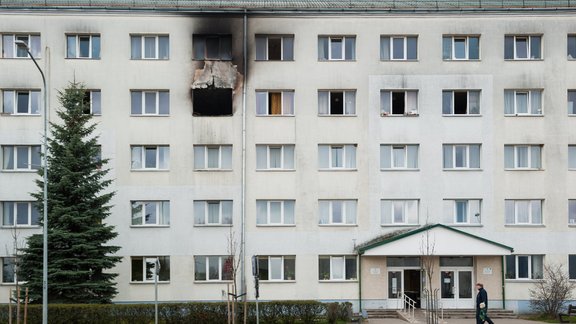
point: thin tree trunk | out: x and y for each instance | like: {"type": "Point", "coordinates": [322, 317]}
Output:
{"type": "Point", "coordinates": [26, 307]}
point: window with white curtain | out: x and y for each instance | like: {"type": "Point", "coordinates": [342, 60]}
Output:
{"type": "Point", "coordinates": [461, 102]}
{"type": "Point", "coordinates": [461, 48]}
{"type": "Point", "coordinates": [336, 102]}
{"type": "Point", "coordinates": [11, 50]}
{"type": "Point", "coordinates": [572, 157]}
{"type": "Point", "coordinates": [523, 157]}
{"type": "Point", "coordinates": [213, 212]}
{"type": "Point", "coordinates": [274, 157]}
{"type": "Point", "coordinates": [462, 211]}
{"type": "Point", "coordinates": [524, 266]}
{"type": "Point", "coordinates": [337, 156]}
{"type": "Point", "coordinates": [523, 102]}
{"type": "Point", "coordinates": [399, 156]}
{"type": "Point", "coordinates": [212, 157]}
{"type": "Point", "coordinates": [274, 47]}
{"type": "Point", "coordinates": [398, 212]}
{"type": "Point", "coordinates": [398, 48]}
{"type": "Point", "coordinates": [150, 213]}
{"type": "Point", "coordinates": [338, 212]}
{"type": "Point", "coordinates": [150, 102]}
{"type": "Point", "coordinates": [523, 212]}
{"type": "Point", "coordinates": [277, 268]}
{"type": "Point", "coordinates": [83, 46]}
{"type": "Point", "coordinates": [21, 157]}
{"type": "Point", "coordinates": [275, 102]}
{"type": "Point", "coordinates": [398, 102]}
{"type": "Point", "coordinates": [213, 267]}
{"type": "Point", "coordinates": [572, 211]}
{"type": "Point", "coordinates": [571, 102]}
{"type": "Point", "coordinates": [336, 48]}
{"type": "Point", "coordinates": [337, 267]}
{"type": "Point", "coordinates": [19, 214]}
{"type": "Point", "coordinates": [150, 157]}
{"type": "Point", "coordinates": [522, 47]}
{"type": "Point", "coordinates": [461, 156]}
{"type": "Point", "coordinates": [150, 47]}
{"type": "Point", "coordinates": [275, 212]}
{"type": "Point", "coordinates": [21, 102]}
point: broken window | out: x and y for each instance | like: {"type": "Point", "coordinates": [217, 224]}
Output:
{"type": "Point", "coordinates": [337, 102]}
{"type": "Point", "coordinates": [212, 102]}
{"type": "Point", "coordinates": [274, 103]}
{"type": "Point", "coordinates": [465, 102]}
{"type": "Point", "coordinates": [212, 47]}
{"type": "Point", "coordinates": [336, 48]}
{"type": "Point", "coordinates": [274, 47]}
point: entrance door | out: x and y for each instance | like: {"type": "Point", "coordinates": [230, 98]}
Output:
{"type": "Point", "coordinates": [456, 288]}
{"type": "Point", "coordinates": [404, 281]}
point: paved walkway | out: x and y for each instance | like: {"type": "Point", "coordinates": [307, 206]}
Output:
{"type": "Point", "coordinates": [453, 321]}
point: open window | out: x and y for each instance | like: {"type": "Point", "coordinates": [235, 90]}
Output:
{"type": "Point", "coordinates": [212, 102]}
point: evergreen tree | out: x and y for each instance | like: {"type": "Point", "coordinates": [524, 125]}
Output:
{"type": "Point", "coordinates": [77, 207]}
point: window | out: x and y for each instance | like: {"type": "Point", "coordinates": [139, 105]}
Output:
{"type": "Point", "coordinates": [461, 156]}
{"type": "Point", "coordinates": [572, 266]}
{"type": "Point", "coordinates": [522, 47]}
{"type": "Point", "coordinates": [523, 102]}
{"type": "Point", "coordinates": [212, 47]}
{"type": "Point", "coordinates": [213, 212]}
{"type": "Point", "coordinates": [150, 102]}
{"type": "Point", "coordinates": [275, 103]}
{"type": "Point", "coordinates": [399, 156]}
{"type": "Point", "coordinates": [92, 102]}
{"type": "Point", "coordinates": [150, 157]}
{"type": "Point", "coordinates": [461, 102]}
{"type": "Point", "coordinates": [150, 213]}
{"type": "Point", "coordinates": [277, 268]}
{"type": "Point", "coordinates": [150, 47]}
{"type": "Point", "coordinates": [8, 270]}
{"type": "Point", "coordinates": [212, 102]}
{"type": "Point", "coordinates": [572, 212]}
{"type": "Point", "coordinates": [336, 156]}
{"type": "Point", "coordinates": [461, 48]}
{"type": "Point", "coordinates": [571, 47]}
{"type": "Point", "coordinates": [572, 157]}
{"type": "Point", "coordinates": [398, 102]}
{"type": "Point", "coordinates": [336, 48]}
{"type": "Point", "coordinates": [274, 47]}
{"type": "Point", "coordinates": [11, 50]}
{"type": "Point", "coordinates": [19, 213]}
{"type": "Point", "coordinates": [335, 102]}
{"type": "Point", "coordinates": [21, 157]}
{"type": "Point", "coordinates": [341, 267]}
{"type": "Point", "coordinates": [462, 211]}
{"type": "Point", "coordinates": [21, 102]}
{"type": "Point", "coordinates": [524, 266]}
{"type": "Point", "coordinates": [337, 212]}
{"type": "Point", "coordinates": [571, 102]}
{"type": "Point", "coordinates": [150, 268]}
{"type": "Point", "coordinates": [213, 157]}
{"type": "Point", "coordinates": [399, 212]}
{"type": "Point", "coordinates": [523, 157]}
{"type": "Point", "coordinates": [523, 212]}
{"type": "Point", "coordinates": [275, 157]}
{"type": "Point", "coordinates": [275, 212]}
{"type": "Point", "coordinates": [213, 267]}
{"type": "Point", "coordinates": [83, 46]}
{"type": "Point", "coordinates": [400, 48]}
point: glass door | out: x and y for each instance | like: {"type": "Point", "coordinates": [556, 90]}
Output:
{"type": "Point", "coordinates": [394, 284]}
{"type": "Point", "coordinates": [456, 288]}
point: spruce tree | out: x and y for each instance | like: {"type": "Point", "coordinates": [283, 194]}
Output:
{"type": "Point", "coordinates": [78, 204]}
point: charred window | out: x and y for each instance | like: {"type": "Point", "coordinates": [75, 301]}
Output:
{"type": "Point", "coordinates": [212, 102]}
{"type": "Point", "coordinates": [212, 47]}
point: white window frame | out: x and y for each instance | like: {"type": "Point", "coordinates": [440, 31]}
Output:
{"type": "Point", "coordinates": [264, 95]}
{"type": "Point", "coordinates": [95, 109]}
{"type": "Point", "coordinates": [345, 152]}
{"type": "Point", "coordinates": [222, 163]}
{"type": "Point", "coordinates": [30, 211]}
{"type": "Point", "coordinates": [347, 220]}
{"type": "Point", "coordinates": [572, 212]}
{"type": "Point", "coordinates": [571, 94]}
{"type": "Point", "coordinates": [161, 207]}
{"type": "Point", "coordinates": [531, 212]}
{"type": "Point", "coordinates": [530, 159]}
{"type": "Point", "coordinates": [14, 93]}
{"type": "Point", "coordinates": [205, 219]}
{"type": "Point", "coordinates": [473, 211]}
{"type": "Point", "coordinates": [408, 111]}
{"type": "Point", "coordinates": [76, 49]}
{"type": "Point", "coordinates": [30, 166]}
{"type": "Point", "coordinates": [571, 274]}
{"type": "Point", "coordinates": [146, 259]}
{"type": "Point", "coordinates": [528, 47]}
{"type": "Point", "coordinates": [14, 269]}
{"type": "Point", "coordinates": [466, 38]}
{"type": "Point", "coordinates": [390, 39]}
{"type": "Point", "coordinates": [266, 38]}
{"type": "Point", "coordinates": [405, 147]}
{"type": "Point", "coordinates": [468, 113]}
{"type": "Point", "coordinates": [142, 38]}
{"type": "Point", "coordinates": [283, 156]}
{"type": "Point", "coordinates": [529, 101]}
{"type": "Point", "coordinates": [403, 203]}
{"type": "Point", "coordinates": [268, 215]}
{"type": "Point", "coordinates": [571, 46]}
{"type": "Point", "coordinates": [221, 261]}
{"type": "Point", "coordinates": [530, 266]}
{"type": "Point", "coordinates": [345, 107]}
{"type": "Point", "coordinates": [332, 275]}
{"type": "Point", "coordinates": [283, 275]}
{"type": "Point", "coordinates": [343, 38]}
{"type": "Point", "coordinates": [572, 157]}
{"type": "Point", "coordinates": [34, 45]}
{"type": "Point", "coordinates": [468, 161]}
{"type": "Point", "coordinates": [142, 158]}
{"type": "Point", "coordinates": [143, 94]}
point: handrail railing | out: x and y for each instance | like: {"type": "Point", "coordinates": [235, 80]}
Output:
{"type": "Point", "coordinates": [409, 307]}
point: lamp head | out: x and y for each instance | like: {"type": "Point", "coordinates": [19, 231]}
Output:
{"type": "Point", "coordinates": [22, 44]}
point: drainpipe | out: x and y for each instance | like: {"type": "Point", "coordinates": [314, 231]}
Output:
{"type": "Point", "coordinates": [503, 283]}
{"type": "Point", "coordinates": [359, 283]}
{"type": "Point", "coordinates": [243, 193]}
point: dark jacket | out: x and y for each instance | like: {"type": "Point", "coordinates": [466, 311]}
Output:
{"type": "Point", "coordinates": [482, 297]}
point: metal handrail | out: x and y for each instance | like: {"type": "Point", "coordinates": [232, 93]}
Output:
{"type": "Point", "coordinates": [410, 304]}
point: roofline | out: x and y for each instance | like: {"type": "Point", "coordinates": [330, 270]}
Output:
{"type": "Point", "coordinates": [426, 228]}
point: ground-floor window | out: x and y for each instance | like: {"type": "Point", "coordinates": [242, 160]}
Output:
{"type": "Point", "coordinates": [8, 270]}
{"type": "Point", "coordinates": [524, 266]}
{"type": "Point", "coordinates": [572, 266]}
{"type": "Point", "coordinates": [277, 268]}
{"type": "Point", "coordinates": [213, 267]}
{"type": "Point", "coordinates": [145, 268]}
{"type": "Point", "coordinates": [337, 267]}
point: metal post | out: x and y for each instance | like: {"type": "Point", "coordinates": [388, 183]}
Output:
{"type": "Point", "coordinates": [23, 44]}
{"type": "Point", "coordinates": [156, 272]}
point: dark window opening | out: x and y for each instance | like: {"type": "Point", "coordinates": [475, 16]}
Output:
{"type": "Point", "coordinates": [212, 102]}
{"type": "Point", "coordinates": [86, 103]}
{"type": "Point", "coordinates": [460, 103]}
{"type": "Point", "coordinates": [398, 103]}
{"type": "Point", "coordinates": [274, 103]}
{"type": "Point", "coordinates": [336, 103]}
{"type": "Point", "coordinates": [274, 49]}
{"type": "Point", "coordinates": [212, 47]}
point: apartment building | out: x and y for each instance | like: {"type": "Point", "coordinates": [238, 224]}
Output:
{"type": "Point", "coordinates": [339, 143]}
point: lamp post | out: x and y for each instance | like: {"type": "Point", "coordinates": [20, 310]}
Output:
{"type": "Point", "coordinates": [22, 44]}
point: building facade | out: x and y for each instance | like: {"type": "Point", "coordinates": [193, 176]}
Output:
{"type": "Point", "coordinates": [341, 146]}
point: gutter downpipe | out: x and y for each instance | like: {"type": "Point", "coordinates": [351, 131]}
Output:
{"type": "Point", "coordinates": [503, 283]}
{"type": "Point", "coordinates": [243, 190]}
{"type": "Point", "coordinates": [360, 283]}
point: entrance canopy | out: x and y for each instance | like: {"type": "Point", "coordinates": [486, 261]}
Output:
{"type": "Point", "coordinates": [437, 239]}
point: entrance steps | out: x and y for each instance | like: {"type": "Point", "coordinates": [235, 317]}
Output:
{"type": "Point", "coordinates": [382, 313]}
{"type": "Point", "coordinates": [471, 313]}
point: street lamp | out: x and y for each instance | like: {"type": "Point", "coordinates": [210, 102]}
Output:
{"type": "Point", "coordinates": [23, 45]}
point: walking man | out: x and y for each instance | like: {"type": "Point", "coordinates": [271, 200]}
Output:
{"type": "Point", "coordinates": [482, 305]}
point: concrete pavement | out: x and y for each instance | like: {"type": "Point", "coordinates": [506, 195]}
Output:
{"type": "Point", "coordinates": [454, 321]}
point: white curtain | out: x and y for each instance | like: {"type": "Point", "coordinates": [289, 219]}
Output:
{"type": "Point", "coordinates": [385, 48]}
{"type": "Point", "coordinates": [35, 102]}
{"type": "Point", "coordinates": [261, 103]}
{"type": "Point", "coordinates": [8, 44]}
{"type": "Point", "coordinates": [289, 212]}
{"type": "Point", "coordinates": [412, 156]}
{"type": "Point", "coordinates": [399, 154]}
{"type": "Point", "coordinates": [448, 155]}
{"type": "Point", "coordinates": [8, 102]}
{"type": "Point", "coordinates": [322, 48]}
{"type": "Point", "coordinates": [399, 212]}
{"type": "Point", "coordinates": [213, 209]}
{"type": "Point", "coordinates": [446, 48]}
{"type": "Point", "coordinates": [261, 157]}
{"type": "Point", "coordinates": [213, 161]}
{"type": "Point", "coordinates": [136, 47]}
{"type": "Point", "coordinates": [136, 157]}
{"type": "Point", "coordinates": [226, 157]}
{"type": "Point", "coordinates": [165, 214]}
{"type": "Point", "coordinates": [227, 211]}
{"type": "Point", "coordinates": [8, 213]}
{"type": "Point", "coordinates": [522, 211]}
{"type": "Point", "coordinates": [474, 102]}
{"type": "Point", "coordinates": [385, 156]}
{"type": "Point", "coordinates": [275, 157]}
{"type": "Point", "coordinates": [35, 47]}
{"type": "Point", "coordinates": [337, 268]}
{"type": "Point", "coordinates": [261, 48]}
{"type": "Point", "coordinates": [447, 102]}
{"type": "Point", "coordinates": [275, 212]}
{"type": "Point", "coordinates": [199, 156]}
{"type": "Point", "coordinates": [522, 156]}
{"type": "Point", "coordinates": [412, 102]}
{"type": "Point", "coordinates": [350, 102]}
{"type": "Point", "coordinates": [199, 212]}
{"type": "Point", "coordinates": [521, 102]}
{"type": "Point", "coordinates": [509, 211]}
{"type": "Point", "coordinates": [163, 47]}
{"type": "Point", "coordinates": [350, 48]}
{"type": "Point", "coordinates": [288, 156]}
{"type": "Point", "coordinates": [350, 153]}
{"type": "Point", "coordinates": [276, 268]}
{"type": "Point", "coordinates": [324, 211]}
{"type": "Point", "coordinates": [474, 207]}
{"type": "Point", "coordinates": [350, 206]}
{"type": "Point", "coordinates": [386, 212]}
{"type": "Point", "coordinates": [164, 157]}
{"type": "Point", "coordinates": [509, 156]}
{"type": "Point", "coordinates": [323, 98]}
{"type": "Point", "coordinates": [535, 157]}
{"type": "Point", "coordinates": [323, 156]}
{"type": "Point", "coordinates": [474, 156]}
{"type": "Point", "coordinates": [508, 102]}
{"type": "Point", "coordinates": [261, 212]}
{"type": "Point", "coordinates": [385, 102]}
{"type": "Point", "coordinates": [411, 211]}
{"type": "Point", "coordinates": [536, 102]}
{"type": "Point", "coordinates": [288, 103]}
{"type": "Point", "coordinates": [536, 209]}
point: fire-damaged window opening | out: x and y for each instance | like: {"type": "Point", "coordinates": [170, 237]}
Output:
{"type": "Point", "coordinates": [212, 47]}
{"type": "Point", "coordinates": [212, 102]}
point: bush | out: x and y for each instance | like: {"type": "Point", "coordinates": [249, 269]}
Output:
{"type": "Point", "coordinates": [549, 294]}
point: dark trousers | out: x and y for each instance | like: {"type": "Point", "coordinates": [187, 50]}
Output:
{"type": "Point", "coordinates": [486, 318]}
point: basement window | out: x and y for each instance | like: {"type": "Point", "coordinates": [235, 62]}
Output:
{"type": "Point", "coordinates": [212, 102]}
